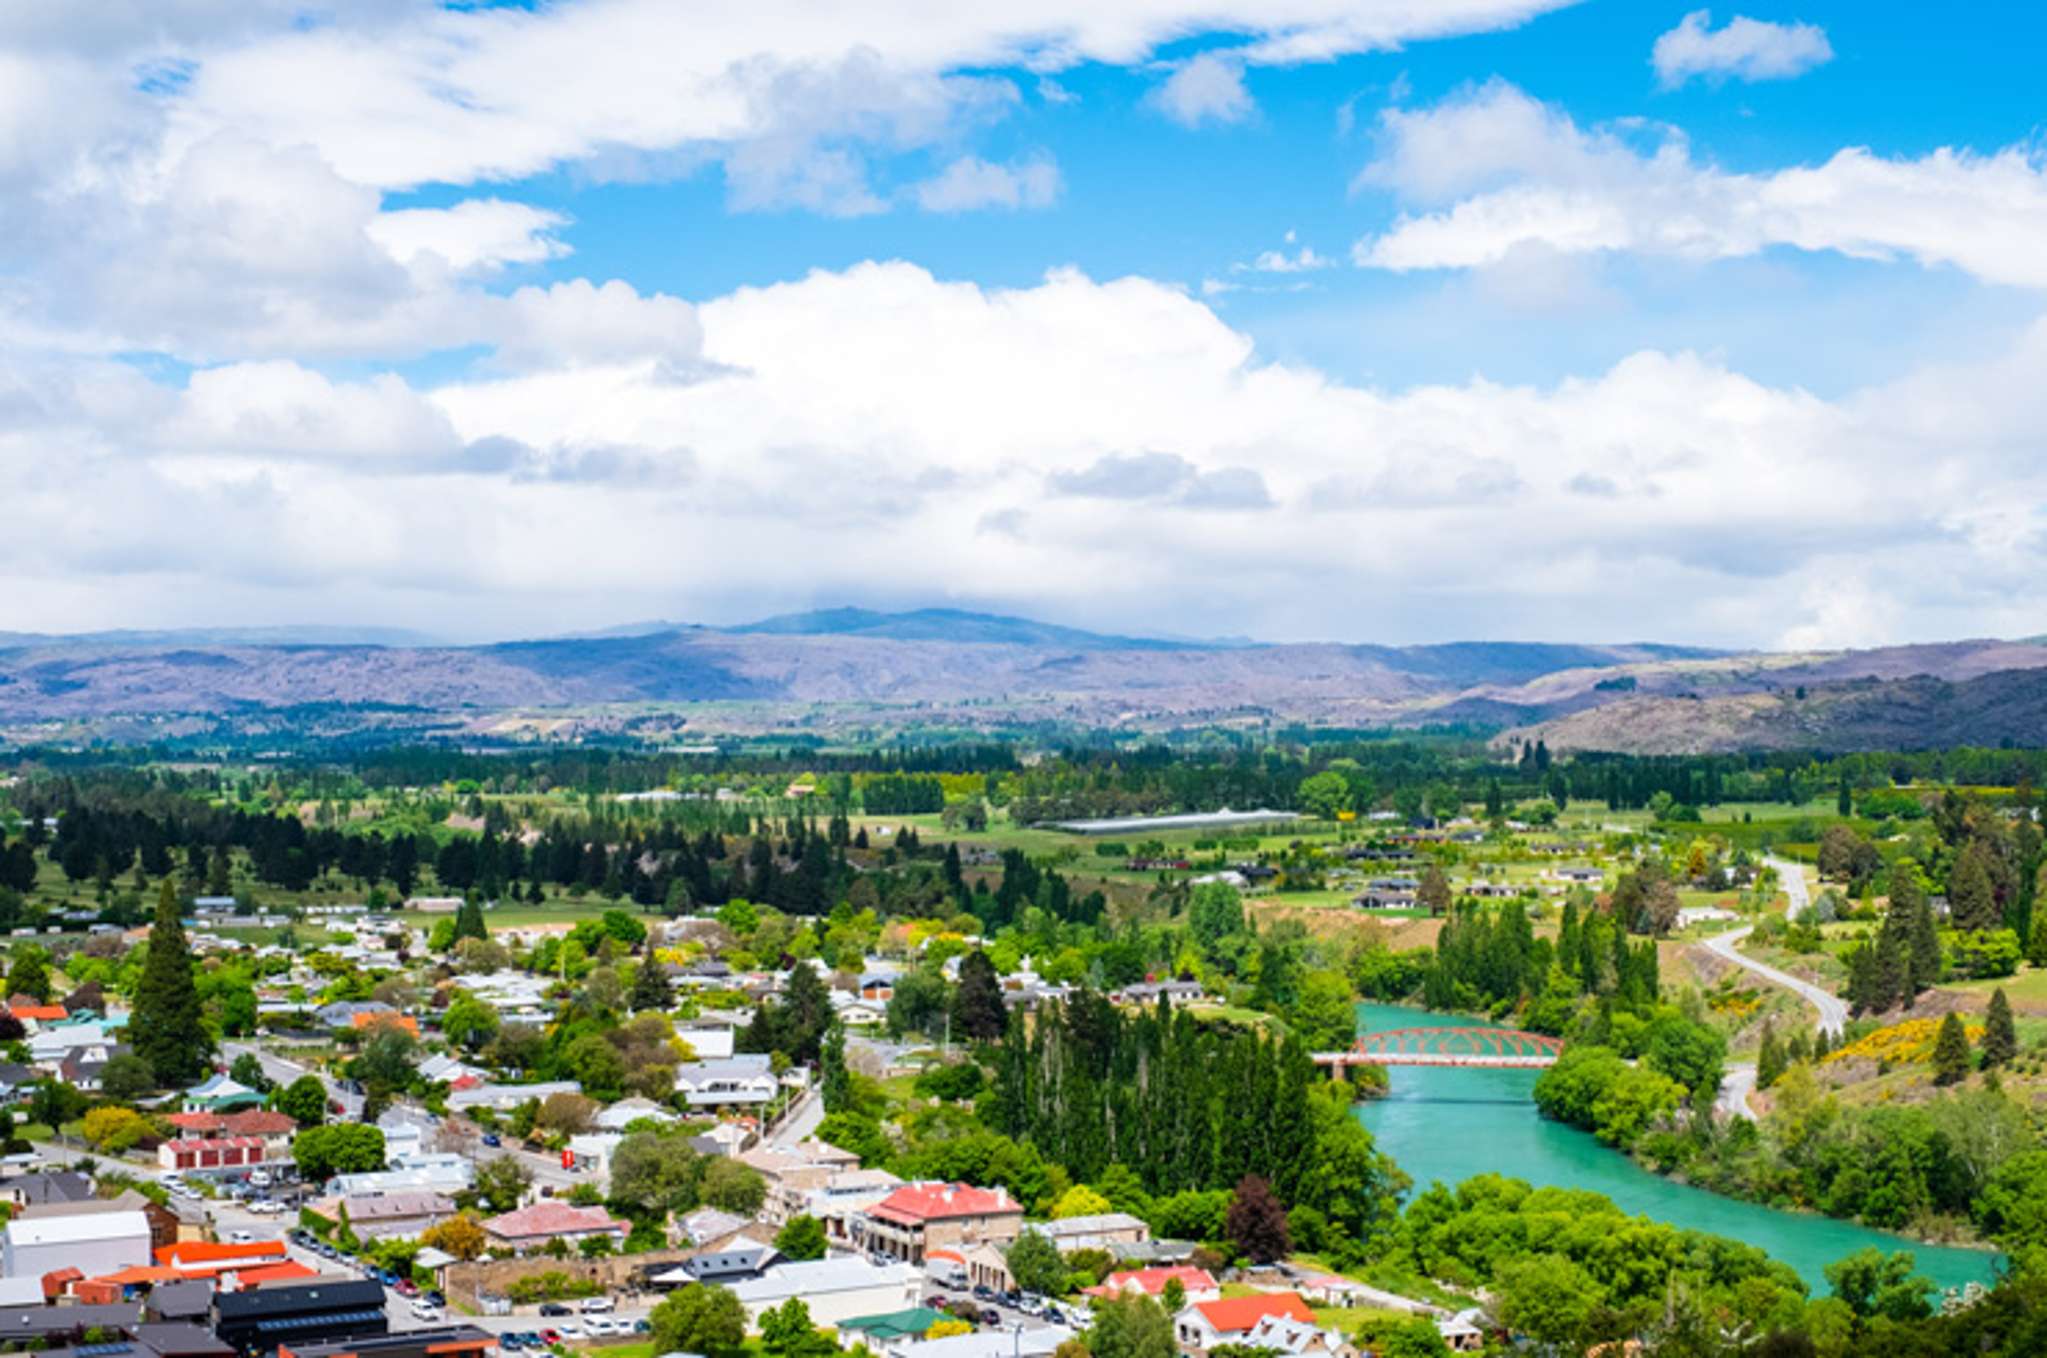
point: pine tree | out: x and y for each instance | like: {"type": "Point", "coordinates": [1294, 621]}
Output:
{"type": "Point", "coordinates": [1892, 984]}
{"type": "Point", "coordinates": [1951, 1052]}
{"type": "Point", "coordinates": [164, 1026]}
{"type": "Point", "coordinates": [836, 1080]}
{"type": "Point", "coordinates": [469, 919]}
{"type": "Point", "coordinates": [1844, 803]}
{"type": "Point", "coordinates": [2000, 1039]}
{"type": "Point", "coordinates": [30, 975]}
{"type": "Point", "coordinates": [218, 881]}
{"type": "Point", "coordinates": [2036, 944]}
{"type": "Point", "coordinates": [1822, 1043]}
{"type": "Point", "coordinates": [1972, 896]}
{"type": "Point", "coordinates": [1770, 1060]}
{"type": "Point", "coordinates": [651, 992]}
{"type": "Point", "coordinates": [1910, 906]}
{"type": "Point", "coordinates": [978, 1011]}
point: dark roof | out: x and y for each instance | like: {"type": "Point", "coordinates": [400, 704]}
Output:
{"type": "Point", "coordinates": [181, 1339]}
{"type": "Point", "coordinates": [61, 1186]}
{"type": "Point", "coordinates": [745, 1261]}
{"type": "Point", "coordinates": [400, 1342]}
{"type": "Point", "coordinates": [176, 1301]}
{"type": "Point", "coordinates": [21, 1322]}
{"type": "Point", "coordinates": [286, 1299]}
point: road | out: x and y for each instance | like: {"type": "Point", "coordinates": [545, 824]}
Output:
{"type": "Point", "coordinates": [1833, 1011]}
{"type": "Point", "coordinates": [283, 1072]}
{"type": "Point", "coordinates": [800, 1124]}
{"type": "Point", "coordinates": [1737, 1082]}
{"type": "Point", "coordinates": [1790, 876]}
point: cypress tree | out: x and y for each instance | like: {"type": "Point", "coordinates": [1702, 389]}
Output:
{"type": "Point", "coordinates": [1951, 1052]}
{"type": "Point", "coordinates": [1910, 906]}
{"type": "Point", "coordinates": [651, 991]}
{"type": "Point", "coordinates": [836, 1080]}
{"type": "Point", "coordinates": [1821, 1045]}
{"type": "Point", "coordinates": [1770, 1060]}
{"type": "Point", "coordinates": [164, 1027]}
{"type": "Point", "coordinates": [1972, 896]}
{"type": "Point", "coordinates": [2000, 1039]}
{"type": "Point", "coordinates": [469, 919]}
{"type": "Point", "coordinates": [1893, 981]}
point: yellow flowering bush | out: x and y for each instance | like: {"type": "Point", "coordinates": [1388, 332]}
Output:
{"type": "Point", "coordinates": [1911, 1040]}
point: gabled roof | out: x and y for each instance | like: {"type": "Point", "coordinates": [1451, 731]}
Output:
{"type": "Point", "coordinates": [1233, 1314]}
{"type": "Point", "coordinates": [913, 1204]}
{"type": "Point", "coordinates": [552, 1218]}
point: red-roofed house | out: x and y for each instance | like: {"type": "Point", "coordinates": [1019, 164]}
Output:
{"type": "Point", "coordinates": [531, 1228]}
{"type": "Point", "coordinates": [1204, 1324]}
{"type": "Point", "coordinates": [205, 1259]}
{"type": "Point", "coordinates": [29, 1011]}
{"type": "Point", "coordinates": [1198, 1283]}
{"type": "Point", "coordinates": [274, 1129]}
{"type": "Point", "coordinates": [291, 1270]}
{"type": "Point", "coordinates": [920, 1217]}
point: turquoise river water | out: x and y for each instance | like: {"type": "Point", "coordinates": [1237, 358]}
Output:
{"type": "Point", "coordinates": [1449, 1124]}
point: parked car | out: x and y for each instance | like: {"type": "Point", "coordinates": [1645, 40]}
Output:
{"type": "Point", "coordinates": [572, 1330]}
{"type": "Point", "coordinates": [493, 1139]}
{"type": "Point", "coordinates": [603, 1327]}
{"type": "Point", "coordinates": [408, 1288]}
{"type": "Point", "coordinates": [554, 1308]}
{"type": "Point", "coordinates": [267, 1207]}
{"type": "Point", "coordinates": [511, 1343]}
{"type": "Point", "coordinates": [551, 1336]}
{"type": "Point", "coordinates": [984, 1293]}
{"type": "Point", "coordinates": [642, 1326]}
{"type": "Point", "coordinates": [594, 1305]}
{"type": "Point", "coordinates": [241, 1237]}
{"type": "Point", "coordinates": [437, 1298]}
{"type": "Point", "coordinates": [991, 1316]}
{"type": "Point", "coordinates": [422, 1311]}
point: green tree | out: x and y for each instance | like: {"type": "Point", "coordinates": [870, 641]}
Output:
{"type": "Point", "coordinates": [656, 1172]}
{"type": "Point", "coordinates": [978, 1012]}
{"type": "Point", "coordinates": [1549, 1297]}
{"type": "Point", "coordinates": [1770, 1060]}
{"type": "Point", "coordinates": [1433, 893]}
{"type": "Point", "coordinates": [835, 1081]}
{"type": "Point", "coordinates": [304, 1101]}
{"type": "Point", "coordinates": [469, 1022]}
{"type": "Point", "coordinates": [1324, 794]}
{"type": "Point", "coordinates": [733, 1187]}
{"type": "Point", "coordinates": [343, 1148]}
{"type": "Point", "coordinates": [651, 992]}
{"type": "Point", "coordinates": [1417, 1337]}
{"type": "Point", "coordinates": [1875, 1284]}
{"type": "Point", "coordinates": [30, 974]}
{"type": "Point", "coordinates": [469, 920]}
{"type": "Point", "coordinates": [801, 1238]}
{"type": "Point", "coordinates": [2000, 1038]}
{"type": "Point", "coordinates": [1034, 1261]}
{"type": "Point", "coordinates": [699, 1319]}
{"type": "Point", "coordinates": [127, 1077]}
{"type": "Point", "coordinates": [787, 1331]}
{"type": "Point", "coordinates": [1324, 1013]}
{"type": "Point", "coordinates": [501, 1183]}
{"type": "Point", "coordinates": [1951, 1052]}
{"type": "Point", "coordinates": [247, 1069]}
{"type": "Point", "coordinates": [1131, 1327]}
{"type": "Point", "coordinates": [1972, 894]}
{"type": "Point", "coordinates": [164, 1025]}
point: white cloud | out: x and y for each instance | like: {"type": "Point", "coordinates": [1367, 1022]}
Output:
{"type": "Point", "coordinates": [970, 183]}
{"type": "Point", "coordinates": [1205, 88]}
{"type": "Point", "coordinates": [478, 233]}
{"type": "Point", "coordinates": [1300, 259]}
{"type": "Point", "coordinates": [1746, 49]}
{"type": "Point", "coordinates": [1535, 178]}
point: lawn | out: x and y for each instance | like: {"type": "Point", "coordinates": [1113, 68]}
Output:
{"type": "Point", "coordinates": [2027, 991]}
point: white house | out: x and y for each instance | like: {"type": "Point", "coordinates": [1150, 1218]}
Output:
{"type": "Point", "coordinates": [746, 1081]}
{"type": "Point", "coordinates": [834, 1289]}
{"type": "Point", "coordinates": [96, 1243]}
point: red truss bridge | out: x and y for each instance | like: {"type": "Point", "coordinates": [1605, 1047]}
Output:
{"type": "Point", "coordinates": [1509, 1047]}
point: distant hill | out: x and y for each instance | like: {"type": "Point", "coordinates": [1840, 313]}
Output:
{"type": "Point", "coordinates": [847, 668]}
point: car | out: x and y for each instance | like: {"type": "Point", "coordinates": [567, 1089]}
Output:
{"type": "Point", "coordinates": [422, 1311]}
{"type": "Point", "coordinates": [571, 1330]}
{"type": "Point", "coordinates": [493, 1139]}
{"type": "Point", "coordinates": [602, 1327]}
{"type": "Point", "coordinates": [554, 1308]}
{"type": "Point", "coordinates": [437, 1298]}
{"type": "Point", "coordinates": [241, 1237]}
{"type": "Point", "coordinates": [551, 1336]}
{"type": "Point", "coordinates": [260, 1178]}
{"type": "Point", "coordinates": [1053, 1315]}
{"type": "Point", "coordinates": [533, 1339]}
{"type": "Point", "coordinates": [511, 1343]}
{"type": "Point", "coordinates": [409, 1288]}
{"type": "Point", "coordinates": [991, 1316]}
{"type": "Point", "coordinates": [267, 1207]}
{"type": "Point", "coordinates": [643, 1326]}
{"type": "Point", "coordinates": [593, 1305]}
{"type": "Point", "coordinates": [984, 1293]}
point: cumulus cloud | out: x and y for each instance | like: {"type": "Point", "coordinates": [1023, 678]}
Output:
{"type": "Point", "coordinates": [1205, 88]}
{"type": "Point", "coordinates": [1746, 49]}
{"type": "Point", "coordinates": [969, 184]}
{"type": "Point", "coordinates": [1534, 177]}
{"type": "Point", "coordinates": [476, 234]}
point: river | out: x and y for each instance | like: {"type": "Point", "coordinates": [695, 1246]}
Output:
{"type": "Point", "coordinates": [1448, 1124]}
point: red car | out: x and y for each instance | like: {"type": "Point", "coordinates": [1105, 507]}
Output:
{"type": "Point", "coordinates": [407, 1288]}
{"type": "Point", "coordinates": [551, 1336]}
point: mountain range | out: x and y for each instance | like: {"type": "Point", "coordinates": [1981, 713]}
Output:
{"type": "Point", "coordinates": [856, 668]}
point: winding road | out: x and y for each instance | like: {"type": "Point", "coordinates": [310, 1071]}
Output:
{"type": "Point", "coordinates": [1739, 1081]}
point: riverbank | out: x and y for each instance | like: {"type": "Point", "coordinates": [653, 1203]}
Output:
{"type": "Point", "coordinates": [1448, 1124]}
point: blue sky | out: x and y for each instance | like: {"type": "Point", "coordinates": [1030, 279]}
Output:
{"type": "Point", "coordinates": [1584, 321]}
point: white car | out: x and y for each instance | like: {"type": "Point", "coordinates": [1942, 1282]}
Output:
{"type": "Point", "coordinates": [603, 1326]}
{"type": "Point", "coordinates": [241, 1237]}
{"type": "Point", "coordinates": [266, 1207]}
{"type": "Point", "coordinates": [593, 1305]}
{"type": "Point", "coordinates": [569, 1329]}
{"type": "Point", "coordinates": [423, 1310]}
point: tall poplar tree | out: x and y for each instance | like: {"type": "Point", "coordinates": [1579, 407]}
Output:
{"type": "Point", "coordinates": [164, 1028]}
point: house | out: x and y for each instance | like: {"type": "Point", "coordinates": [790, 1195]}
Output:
{"type": "Point", "coordinates": [164, 1227]}
{"type": "Point", "coordinates": [917, 1217]}
{"type": "Point", "coordinates": [623, 1114]}
{"type": "Point", "coordinates": [833, 1289]}
{"type": "Point", "coordinates": [990, 1343]}
{"type": "Point", "coordinates": [242, 1264]}
{"type": "Point", "coordinates": [1198, 1284]}
{"type": "Point", "coordinates": [1203, 1325]}
{"type": "Point", "coordinates": [440, 1341]}
{"type": "Point", "coordinates": [192, 1300]}
{"type": "Point", "coordinates": [218, 1092]}
{"type": "Point", "coordinates": [1151, 992]}
{"type": "Point", "coordinates": [591, 1152]}
{"type": "Point", "coordinates": [791, 1172]}
{"type": "Point", "coordinates": [300, 1314]}
{"type": "Point", "coordinates": [737, 1258]}
{"type": "Point", "coordinates": [502, 1098]}
{"type": "Point", "coordinates": [876, 986]}
{"type": "Point", "coordinates": [395, 1216]}
{"type": "Point", "coordinates": [882, 1333]}
{"type": "Point", "coordinates": [35, 1326]}
{"type": "Point", "coordinates": [405, 1133]}
{"type": "Point", "coordinates": [1373, 899]}
{"type": "Point", "coordinates": [724, 1139]}
{"type": "Point", "coordinates": [275, 1130]}
{"type": "Point", "coordinates": [745, 1081]}
{"type": "Point", "coordinates": [1461, 1333]}
{"type": "Point", "coordinates": [185, 1154]}
{"type": "Point", "coordinates": [344, 1013]}
{"type": "Point", "coordinates": [413, 1173]}
{"type": "Point", "coordinates": [1098, 1231]}
{"type": "Point", "coordinates": [434, 905]}
{"type": "Point", "coordinates": [844, 1195]}
{"type": "Point", "coordinates": [707, 1224]}
{"type": "Point", "coordinates": [57, 1186]}
{"type": "Point", "coordinates": [533, 1227]}
{"type": "Point", "coordinates": [1299, 1339]}
{"type": "Point", "coordinates": [92, 1243]}
{"type": "Point", "coordinates": [709, 1039]}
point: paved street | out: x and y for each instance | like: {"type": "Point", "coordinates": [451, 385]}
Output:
{"type": "Point", "coordinates": [1833, 1011]}
{"type": "Point", "coordinates": [277, 1068]}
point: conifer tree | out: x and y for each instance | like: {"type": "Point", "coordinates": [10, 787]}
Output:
{"type": "Point", "coordinates": [1951, 1052]}
{"type": "Point", "coordinates": [1770, 1060]}
{"type": "Point", "coordinates": [469, 919]}
{"type": "Point", "coordinates": [1822, 1043]}
{"type": "Point", "coordinates": [978, 1011]}
{"type": "Point", "coordinates": [2000, 1038]}
{"type": "Point", "coordinates": [651, 991]}
{"type": "Point", "coordinates": [164, 1027]}
{"type": "Point", "coordinates": [836, 1080]}
{"type": "Point", "coordinates": [1972, 896]}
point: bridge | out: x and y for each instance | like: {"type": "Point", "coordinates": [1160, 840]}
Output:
{"type": "Point", "coordinates": [1502, 1047]}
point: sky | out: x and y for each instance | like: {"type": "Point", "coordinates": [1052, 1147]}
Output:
{"type": "Point", "coordinates": [1356, 320]}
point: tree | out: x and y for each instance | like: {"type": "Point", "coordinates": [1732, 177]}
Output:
{"type": "Point", "coordinates": [1770, 1060]}
{"type": "Point", "coordinates": [802, 1238]}
{"type": "Point", "coordinates": [1034, 1261]}
{"type": "Point", "coordinates": [385, 1062]}
{"type": "Point", "coordinates": [304, 1101]}
{"type": "Point", "coordinates": [469, 920]}
{"type": "Point", "coordinates": [733, 1187]}
{"type": "Point", "coordinates": [1131, 1327]}
{"type": "Point", "coordinates": [1256, 1223]}
{"type": "Point", "coordinates": [114, 1129]}
{"type": "Point", "coordinates": [1875, 1284]}
{"type": "Point", "coordinates": [598, 1065]}
{"type": "Point", "coordinates": [565, 1114]}
{"type": "Point", "coordinates": [1433, 892]}
{"type": "Point", "coordinates": [651, 992]}
{"type": "Point", "coordinates": [699, 1319]}
{"type": "Point", "coordinates": [164, 1025]}
{"type": "Point", "coordinates": [978, 1012]}
{"type": "Point", "coordinates": [460, 1235]}
{"type": "Point", "coordinates": [787, 1331]}
{"type": "Point", "coordinates": [1324, 794]}
{"type": "Point", "coordinates": [501, 1183]}
{"type": "Point", "coordinates": [2000, 1038]}
{"type": "Point", "coordinates": [127, 1077]}
{"type": "Point", "coordinates": [30, 974]}
{"type": "Point", "coordinates": [343, 1148]}
{"type": "Point", "coordinates": [1080, 1201]}
{"type": "Point", "coordinates": [469, 1022]}
{"type": "Point", "coordinates": [247, 1069]}
{"type": "Point", "coordinates": [835, 1080]}
{"type": "Point", "coordinates": [1951, 1052]}
{"type": "Point", "coordinates": [655, 1172]}
{"type": "Point", "coordinates": [1972, 895]}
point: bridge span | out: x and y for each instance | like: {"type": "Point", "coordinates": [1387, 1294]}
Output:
{"type": "Point", "coordinates": [1509, 1048]}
